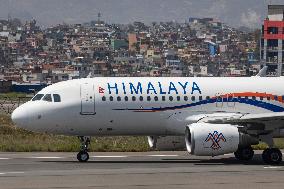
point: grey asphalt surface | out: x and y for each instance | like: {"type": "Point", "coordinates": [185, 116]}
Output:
{"type": "Point", "coordinates": [135, 170]}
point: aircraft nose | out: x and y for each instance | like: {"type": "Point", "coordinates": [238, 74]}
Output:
{"type": "Point", "coordinates": [19, 117]}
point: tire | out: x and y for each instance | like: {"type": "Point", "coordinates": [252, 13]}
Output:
{"type": "Point", "coordinates": [83, 156]}
{"type": "Point", "coordinates": [237, 155]}
{"type": "Point", "coordinates": [244, 154]}
{"type": "Point", "coordinates": [265, 156]}
{"type": "Point", "coordinates": [247, 153]}
{"type": "Point", "coordinates": [272, 156]}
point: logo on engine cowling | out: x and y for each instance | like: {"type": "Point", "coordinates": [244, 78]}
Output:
{"type": "Point", "coordinates": [215, 138]}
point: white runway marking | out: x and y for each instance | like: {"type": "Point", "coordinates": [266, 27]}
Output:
{"type": "Point", "coordinates": [4, 158]}
{"type": "Point", "coordinates": [163, 155]}
{"type": "Point", "coordinates": [271, 167]}
{"type": "Point", "coordinates": [6, 173]}
{"type": "Point", "coordinates": [45, 157]}
{"type": "Point", "coordinates": [109, 156]}
{"type": "Point", "coordinates": [228, 154]}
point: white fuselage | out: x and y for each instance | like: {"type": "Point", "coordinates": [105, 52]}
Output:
{"type": "Point", "coordinates": [155, 106]}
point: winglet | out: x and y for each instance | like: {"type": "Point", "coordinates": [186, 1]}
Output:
{"type": "Point", "coordinates": [262, 72]}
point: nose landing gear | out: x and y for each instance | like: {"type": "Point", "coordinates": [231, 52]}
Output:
{"type": "Point", "coordinates": [83, 155]}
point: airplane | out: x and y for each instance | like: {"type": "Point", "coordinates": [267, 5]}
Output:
{"type": "Point", "coordinates": [207, 116]}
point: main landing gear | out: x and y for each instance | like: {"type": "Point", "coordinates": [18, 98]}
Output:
{"type": "Point", "coordinates": [83, 155]}
{"type": "Point", "coordinates": [244, 153]}
{"type": "Point", "coordinates": [272, 156]}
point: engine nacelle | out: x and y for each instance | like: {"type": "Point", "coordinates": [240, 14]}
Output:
{"type": "Point", "coordinates": [166, 143]}
{"type": "Point", "coordinates": [204, 139]}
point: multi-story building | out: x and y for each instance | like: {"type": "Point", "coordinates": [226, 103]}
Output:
{"type": "Point", "coordinates": [132, 40]}
{"type": "Point", "coordinates": [272, 43]}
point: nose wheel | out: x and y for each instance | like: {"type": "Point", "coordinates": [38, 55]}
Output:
{"type": "Point", "coordinates": [272, 156]}
{"type": "Point", "coordinates": [83, 155]}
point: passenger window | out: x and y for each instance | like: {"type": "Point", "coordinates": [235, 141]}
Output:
{"type": "Point", "coordinates": [133, 98]}
{"type": "Point", "coordinates": [56, 98]}
{"type": "Point", "coordinates": [185, 98]}
{"type": "Point", "coordinates": [261, 98]}
{"type": "Point", "coordinates": [118, 98]}
{"type": "Point", "coordinates": [246, 97]}
{"type": "Point", "coordinates": [47, 98]}
{"type": "Point", "coordinates": [178, 98]}
{"type": "Point", "coordinates": [268, 98]}
{"type": "Point", "coordinates": [111, 98]}
{"type": "Point", "coordinates": [156, 98]}
{"type": "Point", "coordinates": [126, 98]}
{"type": "Point", "coordinates": [37, 97]}
{"type": "Point", "coordinates": [193, 98]}
{"type": "Point", "coordinates": [276, 98]}
{"type": "Point", "coordinates": [208, 98]}
{"type": "Point", "coordinates": [200, 98]}
{"type": "Point", "coordinates": [163, 98]}
{"type": "Point", "coordinates": [254, 98]}
{"type": "Point", "coordinates": [141, 98]}
{"type": "Point", "coordinates": [171, 98]}
{"type": "Point", "coordinates": [103, 98]}
{"type": "Point", "coordinates": [148, 98]}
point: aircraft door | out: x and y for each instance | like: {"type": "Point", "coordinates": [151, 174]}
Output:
{"type": "Point", "coordinates": [87, 99]}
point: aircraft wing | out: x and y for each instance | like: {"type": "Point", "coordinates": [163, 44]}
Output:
{"type": "Point", "coordinates": [246, 118]}
{"type": "Point", "coordinates": [255, 123]}
{"type": "Point", "coordinates": [265, 117]}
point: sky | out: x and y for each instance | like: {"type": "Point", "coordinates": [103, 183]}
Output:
{"type": "Point", "coordinates": [249, 13]}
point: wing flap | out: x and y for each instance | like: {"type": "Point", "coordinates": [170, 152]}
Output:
{"type": "Point", "coordinates": [257, 122]}
{"type": "Point", "coordinates": [241, 118]}
{"type": "Point", "coordinates": [263, 117]}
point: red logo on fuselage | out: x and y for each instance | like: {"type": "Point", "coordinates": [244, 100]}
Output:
{"type": "Point", "coordinates": [101, 90]}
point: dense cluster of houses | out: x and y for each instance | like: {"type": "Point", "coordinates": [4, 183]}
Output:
{"type": "Point", "coordinates": [200, 47]}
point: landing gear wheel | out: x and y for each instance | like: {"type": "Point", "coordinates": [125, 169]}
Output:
{"type": "Point", "coordinates": [265, 155]}
{"type": "Point", "coordinates": [272, 156]}
{"type": "Point", "coordinates": [83, 156]}
{"type": "Point", "coordinates": [244, 154]}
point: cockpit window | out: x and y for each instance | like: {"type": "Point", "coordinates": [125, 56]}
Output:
{"type": "Point", "coordinates": [56, 98]}
{"type": "Point", "coordinates": [37, 97]}
{"type": "Point", "coordinates": [47, 98]}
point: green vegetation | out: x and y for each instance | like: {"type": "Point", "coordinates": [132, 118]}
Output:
{"type": "Point", "coordinates": [12, 95]}
{"type": "Point", "coordinates": [13, 139]}
{"type": "Point", "coordinates": [279, 143]}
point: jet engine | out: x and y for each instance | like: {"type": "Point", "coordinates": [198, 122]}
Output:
{"type": "Point", "coordinates": [166, 143]}
{"type": "Point", "coordinates": [205, 139]}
